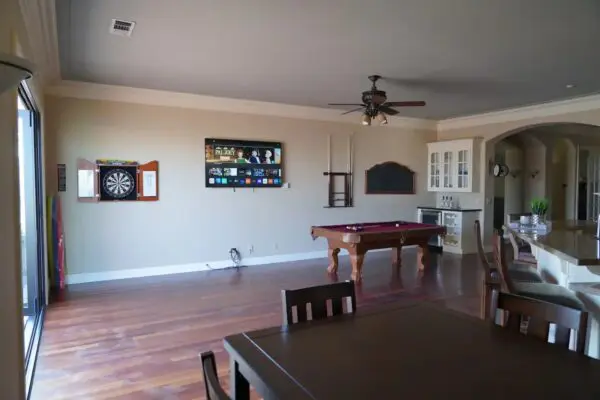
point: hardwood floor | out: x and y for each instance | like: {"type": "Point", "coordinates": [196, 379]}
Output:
{"type": "Point", "coordinates": [140, 338]}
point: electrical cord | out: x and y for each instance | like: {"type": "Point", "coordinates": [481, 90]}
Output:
{"type": "Point", "coordinates": [235, 256]}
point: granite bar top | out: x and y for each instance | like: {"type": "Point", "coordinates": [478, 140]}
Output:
{"type": "Point", "coordinates": [450, 209]}
{"type": "Point", "coordinates": [571, 241]}
{"type": "Point", "coordinates": [592, 288]}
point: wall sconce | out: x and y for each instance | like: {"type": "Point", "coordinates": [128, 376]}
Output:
{"type": "Point", "coordinates": [515, 173]}
{"type": "Point", "coordinates": [534, 173]}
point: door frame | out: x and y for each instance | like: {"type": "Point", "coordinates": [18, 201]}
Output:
{"type": "Point", "coordinates": [26, 95]}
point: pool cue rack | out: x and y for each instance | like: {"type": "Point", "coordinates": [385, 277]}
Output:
{"type": "Point", "coordinates": [346, 198]}
{"type": "Point", "coordinates": [340, 198]}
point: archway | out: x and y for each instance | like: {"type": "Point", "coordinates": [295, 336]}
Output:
{"type": "Point", "coordinates": [556, 147]}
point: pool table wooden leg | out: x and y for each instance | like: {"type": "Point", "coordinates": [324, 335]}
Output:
{"type": "Point", "coordinates": [397, 256]}
{"type": "Point", "coordinates": [423, 256]}
{"type": "Point", "coordinates": [333, 260]}
{"type": "Point", "coordinates": [356, 259]}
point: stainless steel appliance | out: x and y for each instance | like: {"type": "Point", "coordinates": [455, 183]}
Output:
{"type": "Point", "coordinates": [431, 216]}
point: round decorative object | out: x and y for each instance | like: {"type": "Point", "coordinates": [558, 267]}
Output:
{"type": "Point", "coordinates": [118, 183]}
{"type": "Point", "coordinates": [500, 170]}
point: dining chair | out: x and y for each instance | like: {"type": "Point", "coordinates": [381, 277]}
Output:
{"type": "Point", "coordinates": [316, 298]}
{"type": "Point", "coordinates": [538, 316]}
{"type": "Point", "coordinates": [214, 391]}
{"type": "Point", "coordinates": [517, 271]}
{"type": "Point", "coordinates": [543, 291]}
{"type": "Point", "coordinates": [521, 252]}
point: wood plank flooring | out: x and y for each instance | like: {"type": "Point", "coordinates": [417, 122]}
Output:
{"type": "Point", "coordinates": [140, 338]}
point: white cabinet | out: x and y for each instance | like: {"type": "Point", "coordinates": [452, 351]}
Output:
{"type": "Point", "coordinates": [452, 165]}
{"type": "Point", "coordinates": [460, 236]}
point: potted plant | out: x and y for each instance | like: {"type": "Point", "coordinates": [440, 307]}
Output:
{"type": "Point", "coordinates": [539, 208]}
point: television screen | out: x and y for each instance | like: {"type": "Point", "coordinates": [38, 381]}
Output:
{"type": "Point", "coordinates": [242, 163]}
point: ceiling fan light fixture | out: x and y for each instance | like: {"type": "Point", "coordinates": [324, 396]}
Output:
{"type": "Point", "coordinates": [382, 118]}
{"type": "Point", "coordinates": [366, 120]}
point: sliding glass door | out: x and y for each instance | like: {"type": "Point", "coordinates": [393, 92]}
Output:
{"type": "Point", "coordinates": [32, 225]}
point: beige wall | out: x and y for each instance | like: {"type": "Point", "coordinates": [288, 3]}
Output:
{"type": "Point", "coordinates": [192, 224]}
{"type": "Point", "coordinates": [513, 185]}
{"type": "Point", "coordinates": [534, 161]}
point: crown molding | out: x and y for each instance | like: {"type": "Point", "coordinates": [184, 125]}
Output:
{"type": "Point", "coordinates": [95, 91]}
{"type": "Point", "coordinates": [39, 17]}
{"type": "Point", "coordinates": [579, 104]}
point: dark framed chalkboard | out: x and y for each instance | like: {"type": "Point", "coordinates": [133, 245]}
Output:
{"type": "Point", "coordinates": [389, 178]}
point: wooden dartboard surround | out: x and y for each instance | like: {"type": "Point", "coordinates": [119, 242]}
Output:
{"type": "Point", "coordinates": [91, 176]}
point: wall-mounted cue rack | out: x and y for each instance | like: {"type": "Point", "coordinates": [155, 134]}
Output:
{"type": "Point", "coordinates": [116, 180]}
{"type": "Point", "coordinates": [340, 184]}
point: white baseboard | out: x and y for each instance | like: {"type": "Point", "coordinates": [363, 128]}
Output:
{"type": "Point", "coordinates": [195, 267]}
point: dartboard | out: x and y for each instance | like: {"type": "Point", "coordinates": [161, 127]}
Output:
{"type": "Point", "coordinates": [118, 183]}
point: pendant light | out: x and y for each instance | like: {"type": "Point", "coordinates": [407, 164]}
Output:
{"type": "Point", "coordinates": [366, 120]}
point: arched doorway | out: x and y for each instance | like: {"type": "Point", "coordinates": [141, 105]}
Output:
{"type": "Point", "coordinates": [550, 160]}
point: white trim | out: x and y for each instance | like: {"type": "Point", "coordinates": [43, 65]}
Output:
{"type": "Point", "coordinates": [579, 104]}
{"type": "Point", "coordinates": [195, 267]}
{"type": "Point", "coordinates": [95, 91]}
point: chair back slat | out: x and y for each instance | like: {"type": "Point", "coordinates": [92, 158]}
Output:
{"type": "Point", "coordinates": [337, 307]}
{"type": "Point", "coordinates": [316, 298]}
{"type": "Point", "coordinates": [301, 313]}
{"type": "Point", "coordinates": [513, 322]}
{"type": "Point", "coordinates": [562, 335]}
{"type": "Point", "coordinates": [214, 391]}
{"type": "Point", "coordinates": [540, 315]}
{"type": "Point", "coordinates": [319, 310]}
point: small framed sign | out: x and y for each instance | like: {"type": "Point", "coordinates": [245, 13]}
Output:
{"type": "Point", "coordinates": [62, 177]}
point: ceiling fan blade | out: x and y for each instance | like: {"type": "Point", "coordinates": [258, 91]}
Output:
{"type": "Point", "coordinates": [346, 104]}
{"type": "Point", "coordinates": [404, 104]}
{"type": "Point", "coordinates": [387, 110]}
{"type": "Point", "coordinates": [356, 109]}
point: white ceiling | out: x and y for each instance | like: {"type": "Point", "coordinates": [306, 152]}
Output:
{"type": "Point", "coordinates": [461, 56]}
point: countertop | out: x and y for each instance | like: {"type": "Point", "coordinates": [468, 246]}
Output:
{"type": "Point", "coordinates": [450, 209]}
{"type": "Point", "coordinates": [571, 241]}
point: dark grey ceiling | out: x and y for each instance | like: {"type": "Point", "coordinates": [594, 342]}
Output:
{"type": "Point", "coordinates": [461, 56]}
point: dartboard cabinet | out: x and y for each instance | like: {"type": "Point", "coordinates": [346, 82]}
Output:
{"type": "Point", "coordinates": [116, 180]}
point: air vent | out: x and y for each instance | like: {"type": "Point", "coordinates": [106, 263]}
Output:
{"type": "Point", "coordinates": [122, 27]}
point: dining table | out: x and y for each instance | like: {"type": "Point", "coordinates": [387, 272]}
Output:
{"type": "Point", "coordinates": [416, 351]}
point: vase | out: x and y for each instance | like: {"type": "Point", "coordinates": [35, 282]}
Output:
{"type": "Point", "coordinates": [536, 219]}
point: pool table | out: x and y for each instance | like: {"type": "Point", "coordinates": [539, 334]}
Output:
{"type": "Point", "coordinates": [359, 238]}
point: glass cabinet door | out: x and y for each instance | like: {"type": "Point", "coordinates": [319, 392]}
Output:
{"type": "Point", "coordinates": [448, 169]}
{"type": "Point", "coordinates": [463, 169]}
{"type": "Point", "coordinates": [434, 170]}
{"type": "Point", "coordinates": [452, 223]}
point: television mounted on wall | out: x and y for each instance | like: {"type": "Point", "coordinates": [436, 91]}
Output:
{"type": "Point", "coordinates": [242, 163]}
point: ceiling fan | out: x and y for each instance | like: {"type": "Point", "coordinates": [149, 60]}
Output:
{"type": "Point", "coordinates": [375, 104]}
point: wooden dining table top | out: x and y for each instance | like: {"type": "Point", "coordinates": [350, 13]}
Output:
{"type": "Point", "coordinates": [419, 351]}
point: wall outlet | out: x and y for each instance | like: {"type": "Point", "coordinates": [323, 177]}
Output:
{"type": "Point", "coordinates": [285, 185]}
{"type": "Point", "coordinates": [276, 246]}
{"type": "Point", "coordinates": [251, 249]}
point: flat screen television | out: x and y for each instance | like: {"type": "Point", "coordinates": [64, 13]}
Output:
{"type": "Point", "coordinates": [243, 163]}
